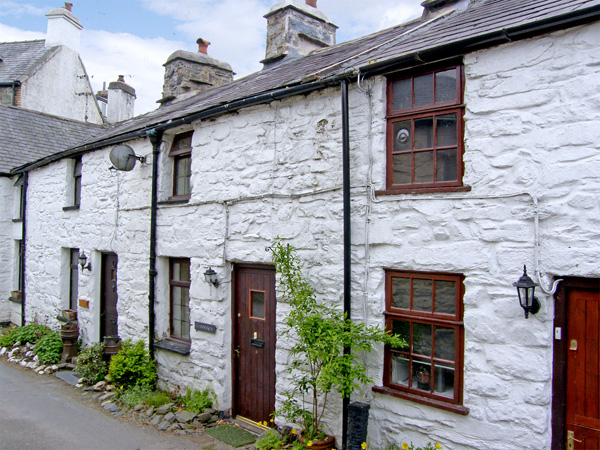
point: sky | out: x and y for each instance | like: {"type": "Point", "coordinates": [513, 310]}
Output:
{"type": "Point", "coordinates": [135, 37]}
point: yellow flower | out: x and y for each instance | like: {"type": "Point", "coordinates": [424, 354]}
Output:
{"type": "Point", "coordinates": [272, 420]}
{"type": "Point", "coordinates": [363, 445]}
{"type": "Point", "coordinates": [293, 431]}
{"type": "Point", "coordinates": [405, 446]}
{"type": "Point", "coordinates": [438, 446]}
{"type": "Point", "coordinates": [309, 444]}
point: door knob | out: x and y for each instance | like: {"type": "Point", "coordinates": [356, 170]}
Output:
{"type": "Point", "coordinates": [571, 440]}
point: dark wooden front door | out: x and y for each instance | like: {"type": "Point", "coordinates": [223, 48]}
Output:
{"type": "Point", "coordinates": [254, 342]}
{"type": "Point", "coordinates": [108, 309]}
{"type": "Point", "coordinates": [583, 370]}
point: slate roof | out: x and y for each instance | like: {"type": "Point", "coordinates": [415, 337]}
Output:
{"type": "Point", "coordinates": [30, 135]}
{"type": "Point", "coordinates": [484, 24]}
{"type": "Point", "coordinates": [21, 59]}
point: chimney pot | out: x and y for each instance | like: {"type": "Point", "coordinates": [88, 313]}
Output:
{"type": "Point", "coordinates": [69, 6]}
{"type": "Point", "coordinates": [121, 78]}
{"type": "Point", "coordinates": [202, 46]}
{"type": "Point", "coordinates": [312, 3]}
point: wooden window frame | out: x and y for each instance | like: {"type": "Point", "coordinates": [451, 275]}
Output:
{"type": "Point", "coordinates": [178, 284]}
{"type": "Point", "coordinates": [178, 155]}
{"type": "Point", "coordinates": [73, 278]}
{"type": "Point", "coordinates": [433, 318]}
{"type": "Point", "coordinates": [77, 172]}
{"type": "Point", "coordinates": [418, 112]}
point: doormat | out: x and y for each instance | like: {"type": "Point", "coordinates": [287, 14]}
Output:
{"type": "Point", "coordinates": [231, 435]}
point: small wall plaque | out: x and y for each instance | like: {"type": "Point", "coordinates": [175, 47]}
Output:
{"type": "Point", "coordinates": [206, 327]}
{"type": "Point", "coordinates": [84, 303]}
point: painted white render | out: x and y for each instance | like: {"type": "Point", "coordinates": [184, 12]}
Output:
{"type": "Point", "coordinates": [531, 148]}
{"type": "Point", "coordinates": [62, 88]}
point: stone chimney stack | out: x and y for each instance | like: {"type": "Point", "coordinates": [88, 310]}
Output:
{"type": "Point", "coordinates": [188, 73]}
{"type": "Point", "coordinates": [295, 29]}
{"type": "Point", "coordinates": [434, 8]}
{"type": "Point", "coordinates": [63, 28]}
{"type": "Point", "coordinates": [121, 99]}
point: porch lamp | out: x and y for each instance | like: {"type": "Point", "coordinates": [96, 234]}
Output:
{"type": "Point", "coordinates": [211, 277]}
{"type": "Point", "coordinates": [526, 289]}
{"type": "Point", "coordinates": [83, 260]}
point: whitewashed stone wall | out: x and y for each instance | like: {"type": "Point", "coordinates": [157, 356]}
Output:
{"type": "Point", "coordinates": [60, 87]}
{"type": "Point", "coordinates": [275, 170]}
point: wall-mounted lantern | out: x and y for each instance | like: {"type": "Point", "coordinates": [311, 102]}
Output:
{"type": "Point", "coordinates": [526, 290]}
{"type": "Point", "coordinates": [83, 260]}
{"type": "Point", "coordinates": [211, 277]}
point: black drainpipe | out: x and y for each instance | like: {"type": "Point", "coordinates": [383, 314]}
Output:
{"type": "Point", "coordinates": [156, 139]}
{"type": "Point", "coordinates": [347, 237]}
{"type": "Point", "coordinates": [23, 243]}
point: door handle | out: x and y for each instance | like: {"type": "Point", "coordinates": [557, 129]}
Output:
{"type": "Point", "coordinates": [236, 351]}
{"type": "Point", "coordinates": [571, 440]}
{"type": "Point", "coordinates": [573, 345]}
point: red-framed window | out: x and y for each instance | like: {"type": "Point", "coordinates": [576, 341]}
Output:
{"type": "Point", "coordinates": [181, 152]}
{"type": "Point", "coordinates": [425, 131]}
{"type": "Point", "coordinates": [426, 310]}
{"type": "Point", "coordinates": [179, 284]}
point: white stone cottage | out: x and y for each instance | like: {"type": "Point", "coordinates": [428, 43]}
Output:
{"type": "Point", "coordinates": [471, 142]}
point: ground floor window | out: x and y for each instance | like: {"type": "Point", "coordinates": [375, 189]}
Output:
{"type": "Point", "coordinates": [179, 284]}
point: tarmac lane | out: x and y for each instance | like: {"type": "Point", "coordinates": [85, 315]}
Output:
{"type": "Point", "coordinates": [42, 412]}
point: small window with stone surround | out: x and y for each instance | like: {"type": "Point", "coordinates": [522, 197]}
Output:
{"type": "Point", "coordinates": [426, 310]}
{"type": "Point", "coordinates": [74, 174]}
{"type": "Point", "coordinates": [181, 153]}
{"type": "Point", "coordinates": [425, 131]}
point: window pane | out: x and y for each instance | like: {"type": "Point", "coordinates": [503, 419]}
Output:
{"type": "Point", "coordinates": [422, 294]}
{"type": "Point", "coordinates": [422, 339]}
{"type": "Point", "coordinates": [401, 328]}
{"type": "Point", "coordinates": [402, 94]}
{"type": "Point", "coordinates": [446, 130]}
{"type": "Point", "coordinates": [445, 86]}
{"type": "Point", "coordinates": [176, 328]}
{"type": "Point", "coordinates": [445, 343]}
{"type": "Point", "coordinates": [445, 297]}
{"type": "Point", "coordinates": [444, 381]}
{"type": "Point", "coordinates": [176, 271]}
{"type": "Point", "coordinates": [422, 374]}
{"type": "Point", "coordinates": [177, 301]}
{"type": "Point", "coordinates": [424, 90]}
{"type": "Point", "coordinates": [402, 137]}
{"type": "Point", "coordinates": [401, 293]}
{"type": "Point", "coordinates": [257, 302]}
{"type": "Point", "coordinates": [446, 165]}
{"type": "Point", "coordinates": [182, 142]}
{"type": "Point", "coordinates": [424, 133]}
{"type": "Point", "coordinates": [402, 168]}
{"type": "Point", "coordinates": [424, 167]}
{"type": "Point", "coordinates": [400, 370]}
{"type": "Point", "coordinates": [183, 173]}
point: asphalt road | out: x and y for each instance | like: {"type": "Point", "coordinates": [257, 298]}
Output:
{"type": "Point", "coordinates": [42, 412]}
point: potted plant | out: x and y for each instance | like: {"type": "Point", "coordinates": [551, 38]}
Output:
{"type": "Point", "coordinates": [320, 365]}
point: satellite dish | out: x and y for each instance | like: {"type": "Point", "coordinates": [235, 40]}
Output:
{"type": "Point", "coordinates": [123, 158]}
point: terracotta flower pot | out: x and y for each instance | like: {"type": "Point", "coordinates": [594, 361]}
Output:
{"type": "Point", "coordinates": [328, 442]}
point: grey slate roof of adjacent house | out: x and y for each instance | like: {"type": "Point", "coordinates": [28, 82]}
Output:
{"type": "Point", "coordinates": [21, 59]}
{"type": "Point", "coordinates": [30, 135]}
{"type": "Point", "coordinates": [484, 24]}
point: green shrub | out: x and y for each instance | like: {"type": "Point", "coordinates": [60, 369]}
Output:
{"type": "Point", "coordinates": [270, 441]}
{"type": "Point", "coordinates": [49, 348]}
{"type": "Point", "coordinates": [157, 398]}
{"type": "Point", "coordinates": [132, 366]}
{"type": "Point", "coordinates": [29, 333]}
{"type": "Point", "coordinates": [197, 401]}
{"type": "Point", "coordinates": [90, 365]}
{"type": "Point", "coordinates": [135, 395]}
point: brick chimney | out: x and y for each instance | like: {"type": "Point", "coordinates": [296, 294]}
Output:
{"type": "Point", "coordinates": [121, 100]}
{"type": "Point", "coordinates": [63, 28]}
{"type": "Point", "coordinates": [295, 29]}
{"type": "Point", "coordinates": [188, 73]}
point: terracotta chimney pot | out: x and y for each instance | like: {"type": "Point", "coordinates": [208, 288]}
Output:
{"type": "Point", "coordinates": [69, 6]}
{"type": "Point", "coordinates": [121, 78]}
{"type": "Point", "coordinates": [312, 3]}
{"type": "Point", "coordinates": [202, 46]}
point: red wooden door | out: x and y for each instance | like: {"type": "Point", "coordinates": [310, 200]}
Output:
{"type": "Point", "coordinates": [108, 309]}
{"type": "Point", "coordinates": [583, 370]}
{"type": "Point", "coordinates": [254, 342]}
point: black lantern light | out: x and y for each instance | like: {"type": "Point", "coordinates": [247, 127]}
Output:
{"type": "Point", "coordinates": [526, 289]}
{"type": "Point", "coordinates": [211, 277]}
{"type": "Point", "coordinates": [83, 260]}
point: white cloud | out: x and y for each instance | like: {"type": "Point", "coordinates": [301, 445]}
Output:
{"type": "Point", "coordinates": [17, 9]}
{"type": "Point", "coordinates": [10, 34]}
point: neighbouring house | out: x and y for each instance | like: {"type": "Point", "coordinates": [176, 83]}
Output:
{"type": "Point", "coordinates": [438, 157]}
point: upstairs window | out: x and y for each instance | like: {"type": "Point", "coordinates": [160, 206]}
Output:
{"type": "Point", "coordinates": [77, 182]}
{"type": "Point", "coordinates": [181, 152]}
{"type": "Point", "coordinates": [425, 131]}
{"type": "Point", "coordinates": [180, 298]}
{"type": "Point", "coordinates": [19, 200]}
{"type": "Point", "coordinates": [425, 309]}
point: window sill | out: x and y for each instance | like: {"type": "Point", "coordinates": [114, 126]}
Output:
{"type": "Point", "coordinates": [458, 409]}
{"type": "Point", "coordinates": [175, 201]}
{"type": "Point", "coordinates": [71, 208]}
{"type": "Point", "coordinates": [173, 346]}
{"type": "Point", "coordinates": [17, 220]}
{"type": "Point", "coordinates": [15, 300]}
{"type": "Point", "coordinates": [428, 190]}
